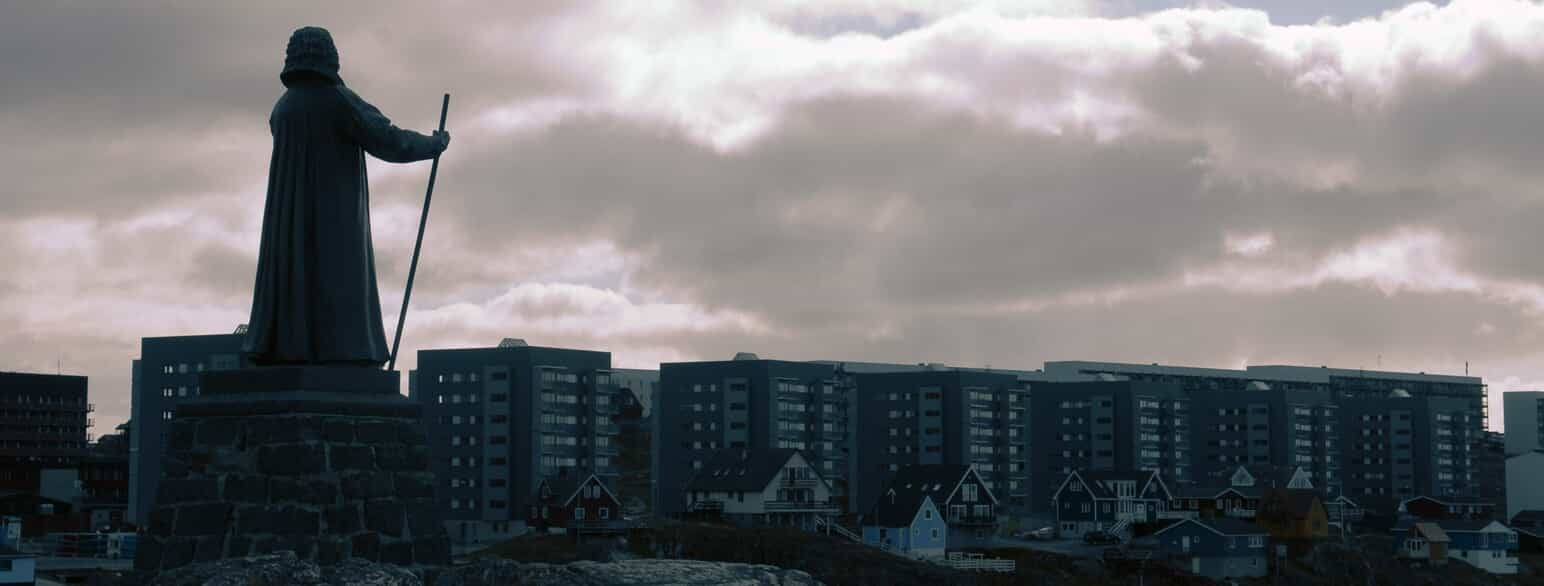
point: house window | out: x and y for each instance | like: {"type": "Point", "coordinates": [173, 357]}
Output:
{"type": "Point", "coordinates": [1085, 507]}
{"type": "Point", "coordinates": [605, 512]}
{"type": "Point", "coordinates": [968, 493]}
{"type": "Point", "coordinates": [935, 533]}
{"type": "Point", "coordinates": [928, 514]}
{"type": "Point", "coordinates": [578, 513]}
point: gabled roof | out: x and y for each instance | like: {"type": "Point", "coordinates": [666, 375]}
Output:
{"type": "Point", "coordinates": [1297, 502]}
{"type": "Point", "coordinates": [911, 485]}
{"type": "Point", "coordinates": [1227, 526]}
{"type": "Point", "coordinates": [1432, 533]}
{"type": "Point", "coordinates": [1530, 519]}
{"type": "Point", "coordinates": [1453, 525]}
{"type": "Point", "coordinates": [1458, 500]}
{"type": "Point", "coordinates": [741, 470]}
{"type": "Point", "coordinates": [566, 487]}
{"type": "Point", "coordinates": [1098, 482]}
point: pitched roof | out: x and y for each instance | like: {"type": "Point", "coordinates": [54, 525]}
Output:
{"type": "Point", "coordinates": [1223, 526]}
{"type": "Point", "coordinates": [1432, 532]}
{"type": "Point", "coordinates": [1449, 525]}
{"type": "Point", "coordinates": [564, 487]}
{"type": "Point", "coordinates": [1297, 502]}
{"type": "Point", "coordinates": [1097, 481]}
{"type": "Point", "coordinates": [739, 469]}
{"type": "Point", "coordinates": [910, 486]}
{"type": "Point", "coordinates": [1530, 518]}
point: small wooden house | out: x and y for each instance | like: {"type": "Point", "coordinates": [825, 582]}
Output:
{"type": "Point", "coordinates": [579, 502]}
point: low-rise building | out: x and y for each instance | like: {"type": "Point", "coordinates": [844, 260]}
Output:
{"type": "Point", "coordinates": [1221, 548]}
{"type": "Point", "coordinates": [1425, 507]}
{"type": "Point", "coordinates": [1529, 525]}
{"type": "Point", "coordinates": [17, 567]}
{"type": "Point", "coordinates": [1294, 515]}
{"type": "Point", "coordinates": [761, 487]}
{"type": "Point", "coordinates": [579, 502]}
{"type": "Point", "coordinates": [905, 520]}
{"type": "Point", "coordinates": [1110, 501]}
{"type": "Point", "coordinates": [969, 506]}
{"type": "Point", "coordinates": [1482, 543]}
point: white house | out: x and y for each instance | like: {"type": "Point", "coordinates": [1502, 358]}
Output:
{"type": "Point", "coordinates": [17, 568]}
{"type": "Point", "coordinates": [761, 487]}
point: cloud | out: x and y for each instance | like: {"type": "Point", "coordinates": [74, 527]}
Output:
{"type": "Point", "coordinates": [1004, 182]}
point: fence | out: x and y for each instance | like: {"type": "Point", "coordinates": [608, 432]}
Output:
{"type": "Point", "coordinates": [975, 562]}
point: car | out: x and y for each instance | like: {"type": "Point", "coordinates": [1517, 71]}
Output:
{"type": "Point", "coordinates": [1100, 538]}
{"type": "Point", "coordinates": [1041, 533]}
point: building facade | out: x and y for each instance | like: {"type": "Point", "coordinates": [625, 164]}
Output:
{"type": "Point", "coordinates": [1107, 426]}
{"type": "Point", "coordinates": [502, 419]}
{"type": "Point", "coordinates": [941, 416]}
{"type": "Point", "coordinates": [1524, 416]}
{"type": "Point", "coordinates": [166, 374]}
{"type": "Point", "coordinates": [1401, 447]}
{"type": "Point", "coordinates": [748, 403]}
{"type": "Point", "coordinates": [43, 425]}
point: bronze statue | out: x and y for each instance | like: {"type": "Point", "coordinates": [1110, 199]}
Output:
{"type": "Point", "coordinates": [315, 300]}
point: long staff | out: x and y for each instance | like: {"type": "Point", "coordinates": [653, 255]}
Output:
{"type": "Point", "coordinates": [417, 245]}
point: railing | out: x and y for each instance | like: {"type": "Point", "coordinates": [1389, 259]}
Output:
{"type": "Point", "coordinates": [608, 428]}
{"type": "Point", "coordinates": [607, 450]}
{"type": "Point", "coordinates": [706, 506]}
{"type": "Point", "coordinates": [822, 506]}
{"type": "Point", "coordinates": [972, 520]}
{"type": "Point", "coordinates": [595, 525]}
{"type": "Point", "coordinates": [800, 482]}
{"type": "Point", "coordinates": [829, 526]}
{"type": "Point", "coordinates": [975, 562]}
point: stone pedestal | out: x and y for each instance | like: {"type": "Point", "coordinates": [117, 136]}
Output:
{"type": "Point", "coordinates": [271, 459]}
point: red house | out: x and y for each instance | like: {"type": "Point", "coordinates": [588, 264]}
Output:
{"type": "Point", "coordinates": [579, 502]}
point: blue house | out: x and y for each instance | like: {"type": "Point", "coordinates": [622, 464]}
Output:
{"type": "Point", "coordinates": [909, 516]}
{"type": "Point", "coordinates": [1218, 548]}
{"type": "Point", "coordinates": [1484, 544]}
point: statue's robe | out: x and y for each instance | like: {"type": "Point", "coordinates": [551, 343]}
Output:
{"type": "Point", "coordinates": [315, 301]}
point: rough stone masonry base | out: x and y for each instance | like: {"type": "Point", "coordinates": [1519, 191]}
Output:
{"type": "Point", "coordinates": [328, 477]}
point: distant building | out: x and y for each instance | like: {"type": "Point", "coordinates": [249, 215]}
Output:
{"type": "Point", "coordinates": [502, 419]}
{"type": "Point", "coordinates": [578, 502]}
{"type": "Point", "coordinates": [1115, 426]}
{"type": "Point", "coordinates": [1490, 483]}
{"type": "Point", "coordinates": [1399, 447]}
{"type": "Point", "coordinates": [1484, 544]}
{"type": "Point", "coordinates": [748, 403]}
{"type": "Point", "coordinates": [165, 375]}
{"type": "Point", "coordinates": [902, 518]}
{"type": "Point", "coordinates": [1525, 482]}
{"type": "Point", "coordinates": [1524, 415]}
{"type": "Point", "coordinates": [17, 568]}
{"type": "Point", "coordinates": [906, 521]}
{"type": "Point", "coordinates": [1431, 508]}
{"type": "Point", "coordinates": [1112, 501]}
{"type": "Point", "coordinates": [942, 416]}
{"type": "Point", "coordinates": [43, 423]}
{"type": "Point", "coordinates": [1220, 549]}
{"type": "Point", "coordinates": [761, 488]}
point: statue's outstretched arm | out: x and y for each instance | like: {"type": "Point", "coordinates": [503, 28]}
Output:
{"type": "Point", "coordinates": [382, 139]}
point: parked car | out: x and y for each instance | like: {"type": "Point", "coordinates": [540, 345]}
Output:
{"type": "Point", "coordinates": [1101, 538]}
{"type": "Point", "coordinates": [1037, 534]}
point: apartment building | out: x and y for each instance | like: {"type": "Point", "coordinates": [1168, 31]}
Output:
{"type": "Point", "coordinates": [165, 375]}
{"type": "Point", "coordinates": [43, 424]}
{"type": "Point", "coordinates": [1115, 425]}
{"type": "Point", "coordinates": [941, 416]}
{"type": "Point", "coordinates": [1524, 416]}
{"type": "Point", "coordinates": [1401, 447]}
{"type": "Point", "coordinates": [1264, 426]}
{"type": "Point", "coordinates": [748, 403]}
{"type": "Point", "coordinates": [502, 419]}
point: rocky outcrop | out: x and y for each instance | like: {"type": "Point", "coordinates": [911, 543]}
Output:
{"type": "Point", "coordinates": [286, 568]}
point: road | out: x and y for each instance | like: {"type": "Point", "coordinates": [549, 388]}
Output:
{"type": "Point", "coordinates": [1065, 547]}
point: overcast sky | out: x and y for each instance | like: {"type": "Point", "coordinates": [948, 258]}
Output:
{"type": "Point", "coordinates": [1348, 183]}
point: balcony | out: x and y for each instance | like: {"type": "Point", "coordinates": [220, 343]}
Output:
{"type": "Point", "coordinates": [607, 450]}
{"type": "Point", "coordinates": [798, 482]}
{"type": "Point", "coordinates": [607, 429]}
{"type": "Point", "coordinates": [972, 520]}
{"type": "Point", "coordinates": [801, 506]}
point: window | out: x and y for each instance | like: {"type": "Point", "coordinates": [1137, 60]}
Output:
{"type": "Point", "coordinates": [605, 512]}
{"type": "Point", "coordinates": [927, 514]}
{"type": "Point", "coordinates": [578, 513]}
{"type": "Point", "coordinates": [499, 397]}
{"type": "Point", "coordinates": [934, 533]}
{"type": "Point", "coordinates": [968, 492]}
